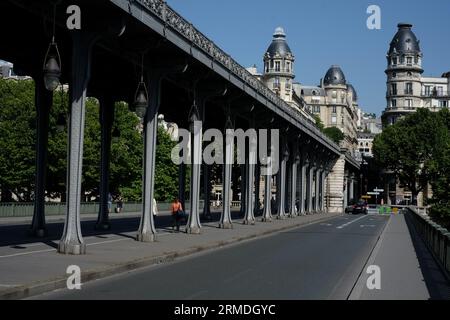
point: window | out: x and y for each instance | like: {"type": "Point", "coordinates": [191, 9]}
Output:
{"type": "Point", "coordinates": [334, 95]}
{"type": "Point", "coordinates": [267, 67]}
{"type": "Point", "coordinates": [333, 119]}
{"type": "Point", "coordinates": [394, 103]}
{"type": "Point", "coordinates": [288, 84]}
{"type": "Point", "coordinates": [408, 103]}
{"type": "Point", "coordinates": [443, 104]}
{"type": "Point", "coordinates": [277, 66]}
{"type": "Point", "coordinates": [394, 61]}
{"type": "Point", "coordinates": [394, 89]}
{"type": "Point", "coordinates": [409, 61]}
{"type": "Point", "coordinates": [427, 91]}
{"type": "Point", "coordinates": [316, 109]}
{"type": "Point", "coordinates": [334, 109]}
{"type": "Point", "coordinates": [409, 88]}
{"type": "Point", "coordinates": [402, 59]}
{"type": "Point", "coordinates": [394, 75]}
{"type": "Point", "coordinates": [276, 83]}
{"type": "Point", "coordinates": [271, 64]}
{"type": "Point", "coordinates": [288, 66]}
{"type": "Point", "coordinates": [440, 91]}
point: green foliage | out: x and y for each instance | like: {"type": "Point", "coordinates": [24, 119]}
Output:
{"type": "Point", "coordinates": [319, 123]}
{"type": "Point", "coordinates": [334, 134]}
{"type": "Point", "coordinates": [416, 149]}
{"type": "Point", "coordinates": [166, 178]}
{"type": "Point", "coordinates": [440, 168]}
{"type": "Point", "coordinates": [17, 138]}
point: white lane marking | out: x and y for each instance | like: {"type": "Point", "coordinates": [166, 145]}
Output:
{"type": "Point", "coordinates": [9, 285]}
{"type": "Point", "coordinates": [349, 223]}
{"type": "Point", "coordinates": [103, 242]}
{"type": "Point", "coordinates": [88, 244]}
{"type": "Point", "coordinates": [367, 226]}
{"type": "Point", "coordinates": [25, 253]}
{"type": "Point", "coordinates": [326, 224]}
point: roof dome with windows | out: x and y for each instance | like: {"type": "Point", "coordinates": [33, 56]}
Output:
{"type": "Point", "coordinates": [404, 41]}
{"type": "Point", "coordinates": [279, 45]}
{"type": "Point", "coordinates": [334, 76]}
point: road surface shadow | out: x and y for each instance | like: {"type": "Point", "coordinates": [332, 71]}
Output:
{"type": "Point", "coordinates": [17, 235]}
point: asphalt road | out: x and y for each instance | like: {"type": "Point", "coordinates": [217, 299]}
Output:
{"type": "Point", "coordinates": [319, 261]}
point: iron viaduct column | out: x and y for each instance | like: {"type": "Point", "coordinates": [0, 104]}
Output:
{"type": "Point", "coordinates": [106, 121]}
{"type": "Point", "coordinates": [43, 103]}
{"type": "Point", "coordinates": [72, 240]}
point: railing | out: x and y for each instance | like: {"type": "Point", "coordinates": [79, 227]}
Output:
{"type": "Point", "coordinates": [170, 18]}
{"type": "Point", "coordinates": [436, 94]}
{"type": "Point", "coordinates": [26, 209]}
{"type": "Point", "coordinates": [435, 237]}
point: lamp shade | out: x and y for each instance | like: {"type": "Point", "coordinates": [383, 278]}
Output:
{"type": "Point", "coordinates": [141, 101]}
{"type": "Point", "coordinates": [52, 73]}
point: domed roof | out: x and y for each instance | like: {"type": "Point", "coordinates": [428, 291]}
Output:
{"type": "Point", "coordinates": [354, 94]}
{"type": "Point", "coordinates": [334, 76]}
{"type": "Point", "coordinates": [279, 44]}
{"type": "Point", "coordinates": [404, 41]}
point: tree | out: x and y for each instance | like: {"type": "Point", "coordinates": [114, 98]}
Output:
{"type": "Point", "coordinates": [166, 178]}
{"type": "Point", "coordinates": [407, 149]}
{"type": "Point", "coordinates": [319, 123]}
{"type": "Point", "coordinates": [334, 134]}
{"type": "Point", "coordinates": [17, 139]}
{"type": "Point", "coordinates": [440, 168]}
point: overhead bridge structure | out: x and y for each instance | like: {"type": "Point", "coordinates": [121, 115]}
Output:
{"type": "Point", "coordinates": [190, 80]}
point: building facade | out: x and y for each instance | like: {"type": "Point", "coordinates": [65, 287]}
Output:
{"type": "Point", "coordinates": [334, 101]}
{"type": "Point", "coordinates": [407, 91]}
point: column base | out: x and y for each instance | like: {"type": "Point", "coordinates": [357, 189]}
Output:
{"type": "Point", "coordinates": [293, 215]}
{"type": "Point", "coordinates": [226, 225]}
{"type": "Point", "coordinates": [38, 233]}
{"type": "Point", "coordinates": [73, 249]}
{"type": "Point", "coordinates": [146, 237]}
{"type": "Point", "coordinates": [193, 230]}
{"type": "Point", "coordinates": [266, 219]}
{"type": "Point", "coordinates": [281, 217]}
{"type": "Point", "coordinates": [251, 222]}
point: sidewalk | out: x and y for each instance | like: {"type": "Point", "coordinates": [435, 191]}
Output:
{"type": "Point", "coordinates": [32, 268]}
{"type": "Point", "coordinates": [408, 270]}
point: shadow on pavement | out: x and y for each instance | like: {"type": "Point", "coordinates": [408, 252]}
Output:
{"type": "Point", "coordinates": [437, 285]}
{"type": "Point", "coordinates": [17, 235]}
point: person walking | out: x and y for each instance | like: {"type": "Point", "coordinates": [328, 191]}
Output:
{"type": "Point", "coordinates": [177, 213]}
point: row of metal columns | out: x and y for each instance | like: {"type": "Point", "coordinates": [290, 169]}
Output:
{"type": "Point", "coordinates": [72, 240]}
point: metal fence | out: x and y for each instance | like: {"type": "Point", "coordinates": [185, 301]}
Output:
{"type": "Point", "coordinates": [26, 209]}
{"type": "Point", "coordinates": [435, 237]}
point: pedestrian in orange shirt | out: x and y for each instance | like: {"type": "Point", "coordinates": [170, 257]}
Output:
{"type": "Point", "coordinates": [177, 213]}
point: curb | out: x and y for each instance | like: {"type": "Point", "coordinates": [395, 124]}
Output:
{"type": "Point", "coordinates": [45, 286]}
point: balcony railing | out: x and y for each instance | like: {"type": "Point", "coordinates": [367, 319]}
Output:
{"type": "Point", "coordinates": [435, 94]}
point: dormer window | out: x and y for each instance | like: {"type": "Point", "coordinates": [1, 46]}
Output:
{"type": "Point", "coordinates": [409, 61]}
{"type": "Point", "coordinates": [394, 61]}
{"type": "Point", "coordinates": [277, 66]}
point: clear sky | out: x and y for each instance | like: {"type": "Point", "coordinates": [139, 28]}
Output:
{"type": "Point", "coordinates": [325, 32]}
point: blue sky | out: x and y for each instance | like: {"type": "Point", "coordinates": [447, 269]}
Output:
{"type": "Point", "coordinates": [324, 32]}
